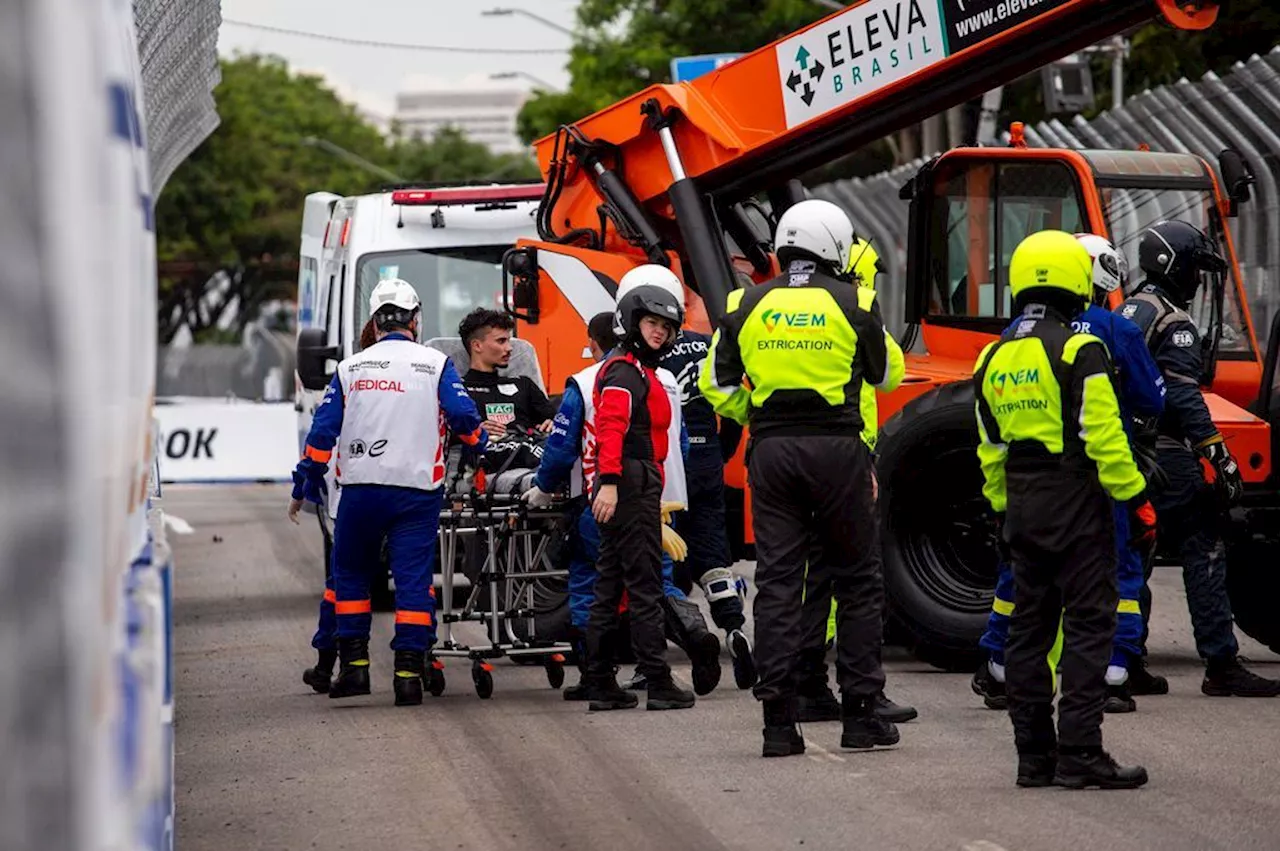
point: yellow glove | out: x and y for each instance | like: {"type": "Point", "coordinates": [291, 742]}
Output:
{"type": "Point", "coordinates": [673, 545]}
{"type": "Point", "coordinates": [669, 508]}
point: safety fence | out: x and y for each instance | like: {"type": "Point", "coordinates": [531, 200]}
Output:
{"type": "Point", "coordinates": [1240, 110]}
{"type": "Point", "coordinates": [178, 58]}
{"type": "Point", "coordinates": [102, 99]}
{"type": "Point", "coordinates": [260, 369]}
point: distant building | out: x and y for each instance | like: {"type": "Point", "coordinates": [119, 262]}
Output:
{"type": "Point", "coordinates": [487, 116]}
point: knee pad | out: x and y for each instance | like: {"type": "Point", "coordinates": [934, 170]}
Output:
{"type": "Point", "coordinates": [720, 583]}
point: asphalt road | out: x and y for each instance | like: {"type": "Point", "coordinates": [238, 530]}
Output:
{"type": "Point", "coordinates": [262, 762]}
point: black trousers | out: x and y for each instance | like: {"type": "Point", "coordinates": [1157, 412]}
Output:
{"type": "Point", "coordinates": [815, 614]}
{"type": "Point", "coordinates": [630, 559]}
{"type": "Point", "coordinates": [815, 489]}
{"type": "Point", "coordinates": [1062, 540]}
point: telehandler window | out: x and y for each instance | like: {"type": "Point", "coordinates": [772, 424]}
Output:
{"type": "Point", "coordinates": [1130, 210]}
{"type": "Point", "coordinates": [982, 211]}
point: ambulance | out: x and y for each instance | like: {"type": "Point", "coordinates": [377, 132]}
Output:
{"type": "Point", "coordinates": [448, 242]}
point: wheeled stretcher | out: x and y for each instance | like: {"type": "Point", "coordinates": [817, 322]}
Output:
{"type": "Point", "coordinates": [507, 547]}
{"type": "Point", "coordinates": [496, 560]}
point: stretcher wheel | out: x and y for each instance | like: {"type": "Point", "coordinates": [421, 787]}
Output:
{"type": "Point", "coordinates": [482, 676]}
{"type": "Point", "coordinates": [555, 670]}
{"type": "Point", "coordinates": [434, 678]}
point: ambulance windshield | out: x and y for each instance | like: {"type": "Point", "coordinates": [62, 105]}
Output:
{"type": "Point", "coordinates": [451, 282]}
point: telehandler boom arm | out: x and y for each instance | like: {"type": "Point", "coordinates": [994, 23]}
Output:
{"type": "Point", "coordinates": [650, 161]}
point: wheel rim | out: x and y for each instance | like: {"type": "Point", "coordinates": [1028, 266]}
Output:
{"type": "Point", "coordinates": [945, 534]}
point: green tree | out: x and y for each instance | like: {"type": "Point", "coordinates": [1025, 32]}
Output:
{"type": "Point", "coordinates": [624, 45]}
{"type": "Point", "coordinates": [235, 205]}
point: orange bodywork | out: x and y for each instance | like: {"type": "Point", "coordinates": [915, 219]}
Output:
{"type": "Point", "coordinates": [739, 131]}
{"type": "Point", "coordinates": [741, 114]}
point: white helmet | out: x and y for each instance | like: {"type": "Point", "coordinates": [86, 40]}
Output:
{"type": "Point", "coordinates": [818, 228]}
{"type": "Point", "coordinates": [1110, 267]}
{"type": "Point", "coordinates": [396, 293]}
{"type": "Point", "coordinates": [648, 275]}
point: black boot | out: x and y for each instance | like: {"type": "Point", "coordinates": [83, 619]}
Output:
{"type": "Point", "coordinates": [353, 676]}
{"type": "Point", "coordinates": [579, 692]}
{"type": "Point", "coordinates": [582, 690]}
{"type": "Point", "coordinates": [665, 694]}
{"type": "Point", "coordinates": [320, 676]}
{"type": "Point", "coordinates": [1097, 768]}
{"type": "Point", "coordinates": [1142, 681]}
{"type": "Point", "coordinates": [863, 728]}
{"type": "Point", "coordinates": [817, 703]}
{"type": "Point", "coordinates": [1119, 700]}
{"type": "Point", "coordinates": [688, 629]}
{"type": "Point", "coordinates": [890, 711]}
{"type": "Point", "coordinates": [781, 735]}
{"type": "Point", "coordinates": [407, 683]}
{"type": "Point", "coordinates": [601, 677]}
{"type": "Point", "coordinates": [986, 686]}
{"type": "Point", "coordinates": [1037, 741]}
{"type": "Point", "coordinates": [1228, 678]}
{"type": "Point", "coordinates": [605, 694]}
{"type": "Point", "coordinates": [1036, 770]}
{"type": "Point", "coordinates": [815, 700]}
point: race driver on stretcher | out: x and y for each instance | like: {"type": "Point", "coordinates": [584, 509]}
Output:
{"type": "Point", "coordinates": [569, 456]}
{"type": "Point", "coordinates": [516, 413]}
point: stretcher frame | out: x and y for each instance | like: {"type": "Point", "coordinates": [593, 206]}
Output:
{"type": "Point", "coordinates": [516, 541]}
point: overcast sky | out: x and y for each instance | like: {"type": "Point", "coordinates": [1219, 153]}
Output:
{"type": "Point", "coordinates": [371, 76]}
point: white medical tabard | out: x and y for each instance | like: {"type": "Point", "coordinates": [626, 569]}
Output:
{"type": "Point", "coordinates": [392, 426]}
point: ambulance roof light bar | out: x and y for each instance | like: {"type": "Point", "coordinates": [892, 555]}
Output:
{"type": "Point", "coordinates": [467, 195]}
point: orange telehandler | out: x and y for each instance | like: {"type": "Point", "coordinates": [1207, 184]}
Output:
{"type": "Point", "coordinates": [676, 174]}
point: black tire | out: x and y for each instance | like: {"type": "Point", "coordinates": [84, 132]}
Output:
{"type": "Point", "coordinates": [940, 557]}
{"type": "Point", "coordinates": [1254, 585]}
{"type": "Point", "coordinates": [483, 680]}
{"type": "Point", "coordinates": [550, 612]}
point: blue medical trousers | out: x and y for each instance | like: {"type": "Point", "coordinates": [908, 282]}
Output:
{"type": "Point", "coordinates": [1127, 644]}
{"type": "Point", "coordinates": [409, 519]}
{"type": "Point", "coordinates": [326, 637]}
{"type": "Point", "coordinates": [584, 550]}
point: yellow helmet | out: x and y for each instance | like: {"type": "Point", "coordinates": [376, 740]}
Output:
{"type": "Point", "coordinates": [1051, 258]}
{"type": "Point", "coordinates": [864, 263]}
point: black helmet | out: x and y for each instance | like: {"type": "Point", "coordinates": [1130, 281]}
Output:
{"type": "Point", "coordinates": [1174, 254]}
{"type": "Point", "coordinates": [641, 301]}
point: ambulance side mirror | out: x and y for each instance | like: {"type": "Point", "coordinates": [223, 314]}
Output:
{"type": "Point", "coordinates": [313, 355]}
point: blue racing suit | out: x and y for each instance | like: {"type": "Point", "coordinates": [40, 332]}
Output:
{"type": "Point", "coordinates": [1141, 394]}
{"type": "Point", "coordinates": [561, 452]}
{"type": "Point", "coordinates": [702, 524]}
{"type": "Point", "coordinates": [1187, 512]}
{"type": "Point", "coordinates": [407, 517]}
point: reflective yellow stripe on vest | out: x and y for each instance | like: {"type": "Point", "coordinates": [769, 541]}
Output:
{"type": "Point", "coordinates": [895, 369]}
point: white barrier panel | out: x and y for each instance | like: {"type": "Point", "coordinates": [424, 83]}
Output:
{"type": "Point", "coordinates": [216, 441]}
